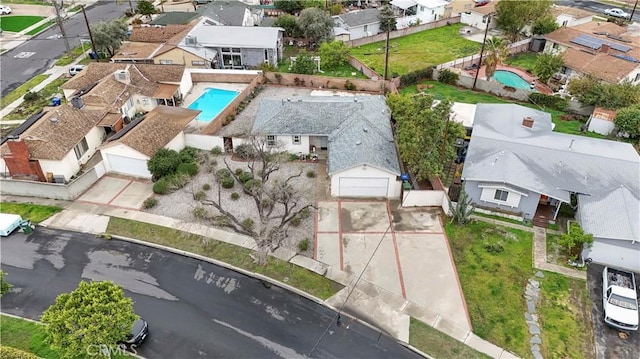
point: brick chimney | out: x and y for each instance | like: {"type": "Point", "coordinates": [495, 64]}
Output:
{"type": "Point", "coordinates": [527, 122]}
{"type": "Point", "coordinates": [19, 163]}
{"type": "Point", "coordinates": [605, 48]}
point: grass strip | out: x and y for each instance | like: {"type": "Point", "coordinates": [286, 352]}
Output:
{"type": "Point", "coordinates": [34, 212]}
{"type": "Point", "coordinates": [280, 270]}
{"type": "Point", "coordinates": [437, 344]}
{"type": "Point", "coordinates": [29, 108]}
{"type": "Point", "coordinates": [41, 28]}
{"type": "Point", "coordinates": [75, 53]}
{"type": "Point", "coordinates": [20, 91]}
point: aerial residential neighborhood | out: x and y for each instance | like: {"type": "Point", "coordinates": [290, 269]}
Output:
{"type": "Point", "coordinates": [280, 178]}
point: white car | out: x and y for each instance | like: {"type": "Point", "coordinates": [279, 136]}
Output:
{"type": "Point", "coordinates": [5, 10]}
{"type": "Point", "coordinates": [617, 13]}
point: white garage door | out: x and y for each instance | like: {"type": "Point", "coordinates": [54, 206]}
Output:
{"type": "Point", "coordinates": [128, 166]}
{"type": "Point", "coordinates": [363, 187]}
{"type": "Point", "coordinates": [622, 255]}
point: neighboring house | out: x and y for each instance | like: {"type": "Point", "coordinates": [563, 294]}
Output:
{"type": "Point", "coordinates": [175, 18]}
{"type": "Point", "coordinates": [571, 16]}
{"type": "Point", "coordinates": [415, 12]}
{"type": "Point", "coordinates": [477, 16]}
{"type": "Point", "coordinates": [128, 151]}
{"type": "Point", "coordinates": [232, 13]}
{"type": "Point", "coordinates": [226, 47]}
{"type": "Point", "coordinates": [148, 42]}
{"type": "Point", "coordinates": [601, 121]}
{"type": "Point", "coordinates": [516, 164]}
{"type": "Point", "coordinates": [354, 132]}
{"type": "Point", "coordinates": [460, 6]}
{"type": "Point", "coordinates": [603, 50]}
{"type": "Point", "coordinates": [358, 24]}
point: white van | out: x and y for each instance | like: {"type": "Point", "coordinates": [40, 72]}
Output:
{"type": "Point", "coordinates": [75, 69]}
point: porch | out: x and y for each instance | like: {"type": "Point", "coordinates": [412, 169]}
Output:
{"type": "Point", "coordinates": [546, 212]}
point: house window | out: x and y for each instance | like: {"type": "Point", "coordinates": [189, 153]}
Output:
{"type": "Point", "coordinates": [501, 195]}
{"type": "Point", "coordinates": [296, 139]}
{"type": "Point", "coordinates": [231, 57]}
{"type": "Point", "coordinates": [421, 8]}
{"type": "Point", "coordinates": [81, 148]}
{"type": "Point", "coordinates": [366, 28]}
{"type": "Point", "coordinates": [271, 141]}
{"type": "Point", "coordinates": [637, 78]}
{"type": "Point", "coordinates": [166, 62]}
{"type": "Point", "coordinates": [197, 63]}
{"type": "Point", "coordinates": [266, 55]}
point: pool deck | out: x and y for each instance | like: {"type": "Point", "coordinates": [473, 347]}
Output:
{"type": "Point", "coordinates": [197, 90]}
{"type": "Point", "coordinates": [542, 88]}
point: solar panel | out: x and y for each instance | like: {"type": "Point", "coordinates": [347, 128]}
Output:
{"type": "Point", "coordinates": [596, 43]}
{"type": "Point", "coordinates": [627, 58]}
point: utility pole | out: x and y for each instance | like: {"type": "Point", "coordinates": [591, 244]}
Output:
{"type": "Point", "coordinates": [386, 61]}
{"type": "Point", "coordinates": [484, 41]}
{"type": "Point", "coordinates": [633, 11]}
{"type": "Point", "coordinates": [93, 44]}
{"type": "Point", "coordinates": [57, 6]}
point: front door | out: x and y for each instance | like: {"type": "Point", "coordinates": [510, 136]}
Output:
{"type": "Point", "coordinates": [324, 142]}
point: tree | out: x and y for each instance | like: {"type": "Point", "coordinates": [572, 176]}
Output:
{"type": "Point", "coordinates": [334, 54]}
{"type": "Point", "coordinates": [496, 52]}
{"type": "Point", "coordinates": [591, 91]}
{"type": "Point", "coordinates": [290, 6]}
{"type": "Point", "coordinates": [4, 286]}
{"type": "Point", "coordinates": [463, 209]}
{"type": "Point", "coordinates": [289, 24]}
{"type": "Point", "coordinates": [420, 131]}
{"type": "Point", "coordinates": [95, 313]}
{"type": "Point", "coordinates": [316, 25]}
{"type": "Point", "coordinates": [163, 163]}
{"type": "Point", "coordinates": [277, 198]}
{"type": "Point", "coordinates": [60, 19]}
{"type": "Point", "coordinates": [627, 121]}
{"type": "Point", "coordinates": [544, 25]}
{"type": "Point", "coordinates": [108, 36]}
{"type": "Point", "coordinates": [335, 9]}
{"type": "Point", "coordinates": [513, 15]}
{"type": "Point", "coordinates": [387, 19]}
{"type": "Point", "coordinates": [546, 65]}
{"type": "Point", "coordinates": [304, 64]}
{"type": "Point", "coordinates": [575, 240]}
{"type": "Point", "coordinates": [146, 8]}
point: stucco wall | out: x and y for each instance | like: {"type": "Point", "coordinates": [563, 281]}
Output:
{"type": "Point", "coordinates": [232, 76]}
{"type": "Point", "coordinates": [203, 142]}
{"type": "Point", "coordinates": [394, 186]}
{"type": "Point", "coordinates": [527, 205]}
{"type": "Point", "coordinates": [286, 141]}
{"type": "Point", "coordinates": [358, 32]}
{"type": "Point", "coordinates": [422, 198]}
{"type": "Point", "coordinates": [181, 57]}
{"type": "Point", "coordinates": [177, 143]}
{"type": "Point", "coordinates": [474, 19]}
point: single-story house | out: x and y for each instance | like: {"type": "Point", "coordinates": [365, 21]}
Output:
{"type": "Point", "coordinates": [358, 24]}
{"type": "Point", "coordinates": [145, 43]}
{"type": "Point", "coordinates": [604, 50]}
{"type": "Point", "coordinates": [601, 121]}
{"type": "Point", "coordinates": [571, 16]}
{"type": "Point", "coordinates": [128, 151]}
{"type": "Point", "coordinates": [516, 164]}
{"type": "Point", "coordinates": [415, 12]}
{"type": "Point", "coordinates": [232, 13]}
{"type": "Point", "coordinates": [354, 133]}
{"type": "Point", "coordinates": [477, 17]}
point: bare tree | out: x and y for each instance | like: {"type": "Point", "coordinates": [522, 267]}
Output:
{"type": "Point", "coordinates": [61, 16]}
{"type": "Point", "coordinates": [277, 198]}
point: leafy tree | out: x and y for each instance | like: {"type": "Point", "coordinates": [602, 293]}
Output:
{"type": "Point", "coordinates": [334, 54]}
{"type": "Point", "coordinates": [513, 15]}
{"type": "Point", "coordinates": [544, 25]}
{"type": "Point", "coordinates": [304, 64]}
{"type": "Point", "coordinates": [575, 240]}
{"type": "Point", "coordinates": [163, 163]}
{"type": "Point", "coordinates": [464, 208]}
{"type": "Point", "coordinates": [108, 36]}
{"type": "Point", "coordinates": [496, 52]}
{"type": "Point", "coordinates": [318, 4]}
{"type": "Point", "coordinates": [4, 286]}
{"type": "Point", "coordinates": [146, 8]}
{"type": "Point", "coordinates": [289, 24]}
{"type": "Point", "coordinates": [628, 121]}
{"type": "Point", "coordinates": [316, 25]}
{"type": "Point", "coordinates": [420, 129]}
{"type": "Point", "coordinates": [591, 91]}
{"type": "Point", "coordinates": [95, 313]}
{"type": "Point", "coordinates": [546, 65]}
{"type": "Point", "coordinates": [335, 9]}
{"type": "Point", "coordinates": [387, 19]}
{"type": "Point", "coordinates": [290, 6]}
{"type": "Point", "coordinates": [277, 200]}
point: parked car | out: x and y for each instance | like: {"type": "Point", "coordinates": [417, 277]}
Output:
{"type": "Point", "coordinates": [5, 10]}
{"type": "Point", "coordinates": [139, 332]}
{"type": "Point", "coordinates": [617, 13]}
{"type": "Point", "coordinates": [75, 69]}
{"type": "Point", "coordinates": [479, 3]}
{"type": "Point", "coordinates": [619, 299]}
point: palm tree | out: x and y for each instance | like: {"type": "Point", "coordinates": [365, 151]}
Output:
{"type": "Point", "coordinates": [497, 52]}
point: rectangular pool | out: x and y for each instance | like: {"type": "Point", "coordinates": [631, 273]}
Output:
{"type": "Point", "coordinates": [212, 102]}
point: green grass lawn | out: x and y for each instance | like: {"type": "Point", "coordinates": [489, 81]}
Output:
{"type": "Point", "coordinates": [417, 51]}
{"type": "Point", "coordinates": [18, 23]}
{"type": "Point", "coordinates": [75, 53]}
{"type": "Point", "coordinates": [523, 60]}
{"type": "Point", "coordinates": [28, 2]}
{"type": "Point", "coordinates": [340, 71]}
{"type": "Point", "coordinates": [28, 108]}
{"type": "Point", "coordinates": [293, 275]}
{"type": "Point", "coordinates": [41, 28]}
{"type": "Point", "coordinates": [437, 344]}
{"type": "Point", "coordinates": [34, 212]}
{"type": "Point", "coordinates": [20, 91]}
{"type": "Point", "coordinates": [503, 219]}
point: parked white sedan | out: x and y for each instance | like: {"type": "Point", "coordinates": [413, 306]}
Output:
{"type": "Point", "coordinates": [5, 10]}
{"type": "Point", "coordinates": [617, 13]}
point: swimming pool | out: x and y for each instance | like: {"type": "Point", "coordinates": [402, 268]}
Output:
{"type": "Point", "coordinates": [509, 78]}
{"type": "Point", "coordinates": [212, 102]}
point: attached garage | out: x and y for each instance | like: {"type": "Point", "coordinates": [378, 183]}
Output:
{"type": "Point", "coordinates": [128, 166]}
{"type": "Point", "coordinates": [365, 181]}
{"type": "Point", "coordinates": [616, 253]}
{"type": "Point", "coordinates": [363, 187]}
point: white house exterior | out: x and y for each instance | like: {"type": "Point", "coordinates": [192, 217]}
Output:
{"type": "Point", "coordinates": [358, 24]}
{"type": "Point", "coordinates": [124, 160]}
{"type": "Point", "coordinates": [477, 17]}
{"type": "Point", "coordinates": [415, 12]}
{"type": "Point", "coordinates": [571, 16]}
{"type": "Point", "coordinates": [365, 181]}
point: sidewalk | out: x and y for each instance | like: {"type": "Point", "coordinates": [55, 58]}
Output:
{"type": "Point", "coordinates": [388, 311]}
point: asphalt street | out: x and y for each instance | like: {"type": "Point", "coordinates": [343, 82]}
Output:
{"type": "Point", "coordinates": [598, 7]}
{"type": "Point", "coordinates": [40, 53]}
{"type": "Point", "coordinates": [194, 309]}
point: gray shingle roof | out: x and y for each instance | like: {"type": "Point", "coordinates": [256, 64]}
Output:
{"type": "Point", "coordinates": [359, 18]}
{"type": "Point", "coordinates": [213, 36]}
{"type": "Point", "coordinates": [230, 13]}
{"type": "Point", "coordinates": [358, 128]}
{"type": "Point", "coordinates": [546, 162]}
{"type": "Point", "coordinates": [175, 18]}
{"type": "Point", "coordinates": [614, 215]}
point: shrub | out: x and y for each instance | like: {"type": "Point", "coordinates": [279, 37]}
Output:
{"type": "Point", "coordinates": [13, 353]}
{"type": "Point", "coordinates": [190, 169]}
{"type": "Point", "coordinates": [149, 202]}
{"type": "Point", "coordinates": [295, 221]}
{"type": "Point", "coordinates": [416, 76]}
{"type": "Point", "coordinates": [245, 151]}
{"type": "Point", "coordinates": [235, 196]}
{"type": "Point", "coordinates": [238, 171]}
{"type": "Point", "coordinates": [223, 173]}
{"type": "Point", "coordinates": [448, 77]}
{"type": "Point", "coordinates": [305, 213]}
{"type": "Point", "coordinates": [349, 86]}
{"type": "Point", "coordinates": [200, 212]}
{"type": "Point", "coordinates": [200, 195]}
{"type": "Point", "coordinates": [245, 176]}
{"type": "Point", "coordinates": [251, 184]}
{"type": "Point", "coordinates": [227, 182]}
{"type": "Point", "coordinates": [188, 154]}
{"type": "Point", "coordinates": [303, 245]}
{"type": "Point", "coordinates": [248, 223]}
{"type": "Point", "coordinates": [161, 186]}
{"type": "Point", "coordinates": [266, 203]}
{"type": "Point", "coordinates": [30, 96]}
{"type": "Point", "coordinates": [554, 102]}
{"type": "Point", "coordinates": [311, 174]}
{"type": "Point", "coordinates": [178, 180]}
{"type": "Point", "coordinates": [216, 150]}
{"type": "Point", "coordinates": [164, 162]}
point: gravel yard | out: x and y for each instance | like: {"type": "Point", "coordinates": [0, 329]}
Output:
{"type": "Point", "coordinates": [181, 203]}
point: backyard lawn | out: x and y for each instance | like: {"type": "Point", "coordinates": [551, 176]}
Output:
{"type": "Point", "coordinates": [417, 51]}
{"type": "Point", "coordinates": [524, 60]}
{"type": "Point", "coordinates": [494, 264]}
{"type": "Point", "coordinates": [18, 23]}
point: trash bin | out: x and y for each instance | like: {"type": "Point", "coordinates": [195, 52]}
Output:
{"type": "Point", "coordinates": [406, 186]}
{"type": "Point", "coordinates": [26, 227]}
{"type": "Point", "coordinates": [56, 101]}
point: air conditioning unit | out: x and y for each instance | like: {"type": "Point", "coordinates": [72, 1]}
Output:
{"type": "Point", "coordinates": [122, 75]}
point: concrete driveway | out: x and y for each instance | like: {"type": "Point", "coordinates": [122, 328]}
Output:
{"type": "Point", "coordinates": [608, 342]}
{"type": "Point", "coordinates": [121, 192]}
{"type": "Point", "coordinates": [413, 258]}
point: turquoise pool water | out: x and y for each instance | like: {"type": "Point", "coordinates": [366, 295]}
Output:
{"type": "Point", "coordinates": [509, 78]}
{"type": "Point", "coordinates": [212, 102]}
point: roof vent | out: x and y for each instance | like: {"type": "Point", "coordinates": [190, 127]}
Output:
{"type": "Point", "coordinates": [288, 99]}
{"type": "Point", "coordinates": [355, 99]}
{"type": "Point", "coordinates": [358, 143]}
{"type": "Point", "coordinates": [54, 119]}
{"type": "Point", "coordinates": [527, 122]}
{"type": "Point", "coordinates": [365, 129]}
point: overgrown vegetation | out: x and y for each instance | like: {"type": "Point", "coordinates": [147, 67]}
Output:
{"type": "Point", "coordinates": [546, 65]}
{"type": "Point", "coordinates": [29, 108]}
{"type": "Point", "coordinates": [75, 53]}
{"type": "Point", "coordinates": [448, 77]}
{"type": "Point", "coordinates": [575, 240]}
{"type": "Point", "coordinates": [36, 213]}
{"type": "Point", "coordinates": [438, 344]}
{"type": "Point", "coordinates": [592, 91]}
{"type": "Point", "coordinates": [173, 169]}
{"type": "Point", "coordinates": [4, 285]}
{"type": "Point", "coordinates": [21, 90]}
{"type": "Point", "coordinates": [416, 76]}
{"type": "Point", "coordinates": [554, 102]}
